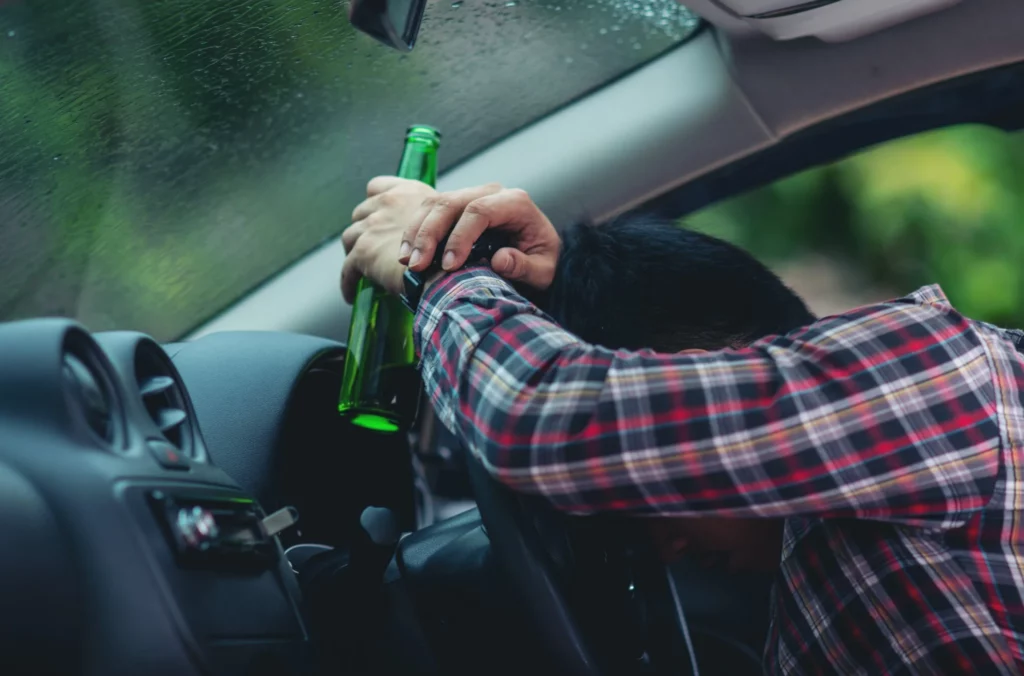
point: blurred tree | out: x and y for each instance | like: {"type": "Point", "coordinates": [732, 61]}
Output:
{"type": "Point", "coordinates": [946, 206]}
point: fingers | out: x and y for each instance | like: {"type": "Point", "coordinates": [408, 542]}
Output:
{"type": "Point", "coordinates": [350, 277]}
{"type": "Point", "coordinates": [508, 207]}
{"type": "Point", "coordinates": [409, 235]}
{"type": "Point", "coordinates": [367, 207]}
{"type": "Point", "coordinates": [512, 264]}
{"type": "Point", "coordinates": [516, 266]}
{"type": "Point", "coordinates": [351, 234]}
{"type": "Point", "coordinates": [411, 230]}
{"type": "Point", "coordinates": [386, 191]}
{"type": "Point", "coordinates": [382, 184]}
{"type": "Point", "coordinates": [444, 210]}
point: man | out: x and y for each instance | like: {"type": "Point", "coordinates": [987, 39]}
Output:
{"type": "Point", "coordinates": [889, 437]}
{"type": "Point", "coordinates": [627, 285]}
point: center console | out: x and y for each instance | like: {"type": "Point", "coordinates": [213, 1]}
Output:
{"type": "Point", "coordinates": [225, 581]}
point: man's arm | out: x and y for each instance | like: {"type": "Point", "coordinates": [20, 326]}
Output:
{"type": "Point", "coordinates": [887, 412]}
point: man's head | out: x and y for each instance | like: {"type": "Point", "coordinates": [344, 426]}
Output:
{"type": "Point", "coordinates": [644, 283]}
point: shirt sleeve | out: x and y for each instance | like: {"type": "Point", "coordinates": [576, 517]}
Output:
{"type": "Point", "coordinates": [887, 412]}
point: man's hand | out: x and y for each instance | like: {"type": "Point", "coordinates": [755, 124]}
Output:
{"type": "Point", "coordinates": [472, 211]}
{"type": "Point", "coordinates": [402, 221]}
{"type": "Point", "coordinates": [372, 241]}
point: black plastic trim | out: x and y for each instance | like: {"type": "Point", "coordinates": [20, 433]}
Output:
{"type": "Point", "coordinates": [796, 9]}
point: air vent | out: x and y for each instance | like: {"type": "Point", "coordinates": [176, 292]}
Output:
{"type": "Point", "coordinates": [163, 397]}
{"type": "Point", "coordinates": [90, 389]}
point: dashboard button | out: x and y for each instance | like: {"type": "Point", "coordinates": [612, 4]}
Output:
{"type": "Point", "coordinates": [168, 456]}
{"type": "Point", "coordinates": [214, 530]}
{"type": "Point", "coordinates": [197, 527]}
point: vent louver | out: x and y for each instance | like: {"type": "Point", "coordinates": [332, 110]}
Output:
{"type": "Point", "coordinates": [163, 397]}
{"type": "Point", "coordinates": [90, 396]}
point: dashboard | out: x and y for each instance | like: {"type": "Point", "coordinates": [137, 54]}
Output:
{"type": "Point", "coordinates": [133, 481]}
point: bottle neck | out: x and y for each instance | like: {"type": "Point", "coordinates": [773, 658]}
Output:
{"type": "Point", "coordinates": [419, 162]}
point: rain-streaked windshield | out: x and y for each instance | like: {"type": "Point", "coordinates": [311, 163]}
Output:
{"type": "Point", "coordinates": [162, 157]}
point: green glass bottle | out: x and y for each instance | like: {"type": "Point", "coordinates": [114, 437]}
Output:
{"type": "Point", "coordinates": [380, 387]}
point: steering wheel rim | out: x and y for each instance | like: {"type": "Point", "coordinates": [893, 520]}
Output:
{"type": "Point", "coordinates": [550, 564]}
{"type": "Point", "coordinates": [522, 556]}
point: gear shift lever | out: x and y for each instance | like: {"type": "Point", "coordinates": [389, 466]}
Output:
{"type": "Point", "coordinates": [342, 587]}
{"type": "Point", "coordinates": [372, 552]}
{"type": "Point", "coordinates": [367, 559]}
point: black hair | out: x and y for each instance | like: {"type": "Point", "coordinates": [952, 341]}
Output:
{"type": "Point", "coordinates": [645, 282]}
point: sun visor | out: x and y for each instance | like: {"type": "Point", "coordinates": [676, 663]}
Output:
{"type": "Point", "coordinates": [828, 20]}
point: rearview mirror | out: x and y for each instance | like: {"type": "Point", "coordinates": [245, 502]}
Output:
{"type": "Point", "coordinates": [395, 23]}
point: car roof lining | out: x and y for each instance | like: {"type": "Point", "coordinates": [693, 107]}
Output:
{"type": "Point", "coordinates": [993, 98]}
{"type": "Point", "coordinates": [715, 101]}
{"type": "Point", "coordinates": [829, 20]}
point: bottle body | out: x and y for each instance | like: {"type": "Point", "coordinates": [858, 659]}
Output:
{"type": "Point", "coordinates": [380, 385]}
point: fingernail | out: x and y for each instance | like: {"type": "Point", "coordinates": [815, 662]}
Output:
{"type": "Point", "coordinates": [448, 261]}
{"type": "Point", "coordinates": [509, 263]}
{"type": "Point", "coordinates": [404, 250]}
{"type": "Point", "coordinates": [415, 258]}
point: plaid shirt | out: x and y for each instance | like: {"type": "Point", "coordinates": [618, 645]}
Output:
{"type": "Point", "coordinates": [889, 437]}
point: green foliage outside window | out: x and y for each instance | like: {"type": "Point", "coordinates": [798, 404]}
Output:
{"type": "Point", "coordinates": [943, 207]}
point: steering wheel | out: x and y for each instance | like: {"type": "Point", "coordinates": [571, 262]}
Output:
{"type": "Point", "coordinates": [600, 602]}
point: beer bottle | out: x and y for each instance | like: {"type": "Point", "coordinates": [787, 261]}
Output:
{"type": "Point", "coordinates": [380, 387]}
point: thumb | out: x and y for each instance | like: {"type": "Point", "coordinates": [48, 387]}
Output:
{"type": "Point", "coordinates": [514, 265]}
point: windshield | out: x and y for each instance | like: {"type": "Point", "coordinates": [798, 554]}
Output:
{"type": "Point", "coordinates": [162, 157]}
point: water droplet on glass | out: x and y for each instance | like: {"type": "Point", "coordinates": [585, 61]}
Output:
{"type": "Point", "coordinates": [10, 34]}
{"type": "Point", "coordinates": [568, 59]}
{"type": "Point", "coordinates": [603, 31]}
{"type": "Point", "coordinates": [56, 158]}
{"type": "Point", "coordinates": [636, 45]}
{"type": "Point", "coordinates": [457, 4]}
{"type": "Point", "coordinates": [511, 3]}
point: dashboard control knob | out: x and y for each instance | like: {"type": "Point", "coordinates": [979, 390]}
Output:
{"type": "Point", "coordinates": [197, 527]}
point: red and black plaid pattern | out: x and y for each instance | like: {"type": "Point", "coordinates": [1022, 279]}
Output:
{"type": "Point", "coordinates": [890, 438]}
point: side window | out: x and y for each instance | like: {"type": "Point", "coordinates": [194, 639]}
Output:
{"type": "Point", "coordinates": [942, 207]}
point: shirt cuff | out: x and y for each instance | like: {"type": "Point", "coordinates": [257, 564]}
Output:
{"type": "Point", "coordinates": [440, 295]}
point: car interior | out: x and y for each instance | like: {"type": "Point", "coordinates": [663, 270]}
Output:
{"type": "Point", "coordinates": [180, 495]}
